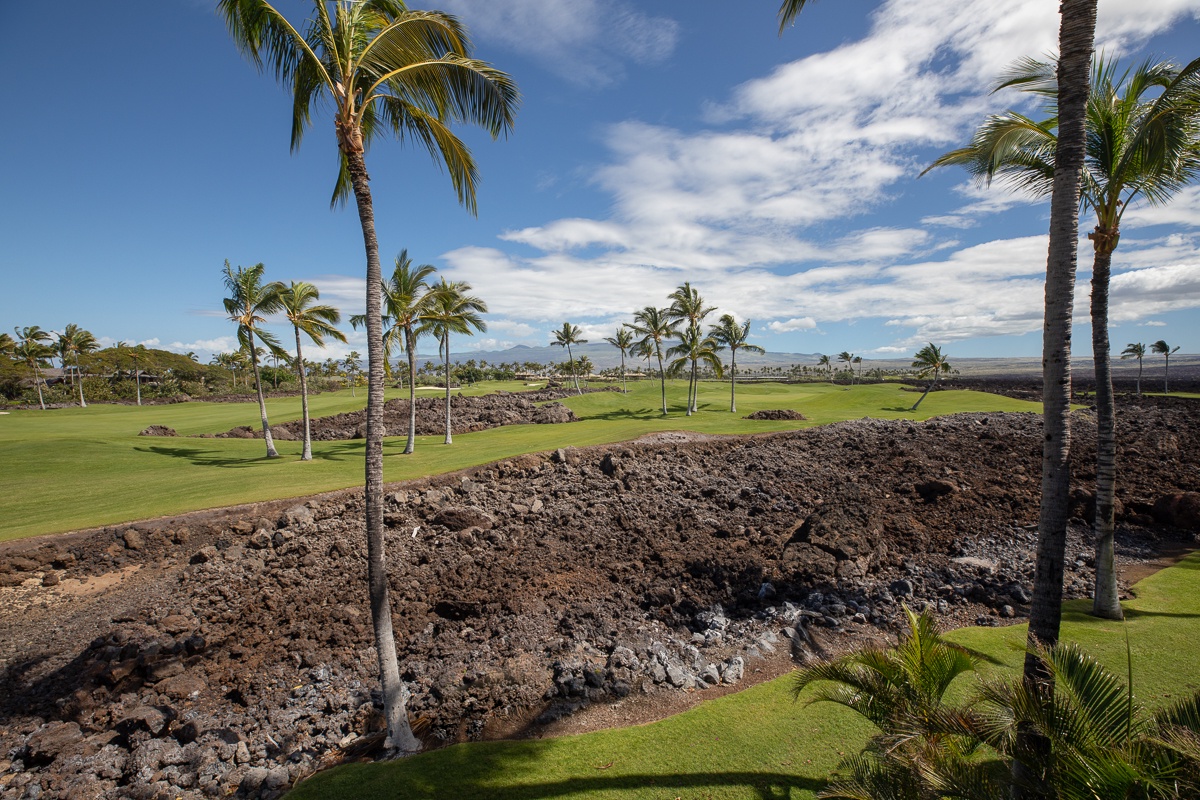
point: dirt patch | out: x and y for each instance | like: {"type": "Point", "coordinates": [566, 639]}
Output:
{"type": "Point", "coordinates": [544, 593]}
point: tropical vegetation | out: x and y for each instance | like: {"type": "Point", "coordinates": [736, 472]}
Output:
{"type": "Point", "coordinates": [298, 302]}
{"type": "Point", "coordinates": [1163, 349]}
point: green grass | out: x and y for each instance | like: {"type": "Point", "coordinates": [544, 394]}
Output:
{"type": "Point", "coordinates": [72, 468]}
{"type": "Point", "coordinates": [759, 744]}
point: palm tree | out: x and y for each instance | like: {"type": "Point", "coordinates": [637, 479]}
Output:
{"type": "Point", "coordinates": [824, 361]}
{"type": "Point", "coordinates": [901, 690]}
{"type": "Point", "coordinates": [1101, 741]}
{"type": "Point", "coordinates": [569, 335]}
{"type": "Point", "coordinates": [654, 325]}
{"type": "Point", "coordinates": [848, 359]}
{"type": "Point", "coordinates": [33, 348]}
{"type": "Point", "coordinates": [405, 301]}
{"type": "Point", "coordinates": [1137, 145]}
{"type": "Point", "coordinates": [1077, 28]}
{"type": "Point", "coordinates": [137, 354]}
{"type": "Point", "coordinates": [72, 342]}
{"type": "Point", "coordinates": [692, 349]}
{"type": "Point", "coordinates": [384, 69]}
{"type": "Point", "coordinates": [299, 302]}
{"type": "Point", "coordinates": [1164, 350]}
{"type": "Point", "coordinates": [248, 304]}
{"type": "Point", "coordinates": [8, 346]}
{"type": "Point", "coordinates": [452, 310]}
{"type": "Point", "coordinates": [623, 341]}
{"type": "Point", "coordinates": [352, 363]}
{"type": "Point", "coordinates": [929, 362]}
{"type": "Point", "coordinates": [728, 333]}
{"type": "Point", "coordinates": [687, 305]}
{"type": "Point", "coordinates": [1135, 350]}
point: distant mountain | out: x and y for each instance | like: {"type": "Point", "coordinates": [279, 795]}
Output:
{"type": "Point", "coordinates": [604, 355]}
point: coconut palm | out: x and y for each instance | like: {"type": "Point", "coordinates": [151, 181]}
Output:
{"type": "Point", "coordinates": [929, 362]}
{"type": "Point", "coordinates": [138, 354]}
{"type": "Point", "coordinates": [405, 300]}
{"type": "Point", "coordinates": [1143, 141]}
{"type": "Point", "coordinates": [824, 361]}
{"type": "Point", "coordinates": [692, 349]}
{"type": "Point", "coordinates": [32, 348]}
{"type": "Point", "coordinates": [383, 70]}
{"type": "Point", "coordinates": [299, 302]}
{"type": "Point", "coordinates": [452, 310]}
{"type": "Point", "coordinates": [847, 358]}
{"type": "Point", "coordinates": [248, 304]}
{"type": "Point", "coordinates": [569, 335]}
{"type": "Point", "coordinates": [687, 306]}
{"type": "Point", "coordinates": [8, 346]}
{"type": "Point", "coordinates": [73, 342]}
{"type": "Point", "coordinates": [623, 341]}
{"type": "Point", "coordinates": [655, 326]}
{"type": "Point", "coordinates": [727, 333]}
{"type": "Point", "coordinates": [352, 364]}
{"type": "Point", "coordinates": [1077, 28]}
{"type": "Point", "coordinates": [1135, 350]}
{"type": "Point", "coordinates": [1164, 350]}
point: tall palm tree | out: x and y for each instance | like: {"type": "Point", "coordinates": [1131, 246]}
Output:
{"type": "Point", "coordinates": [138, 354]}
{"type": "Point", "coordinates": [453, 310]}
{"type": "Point", "coordinates": [33, 349]}
{"type": "Point", "coordinates": [824, 361]}
{"type": "Point", "coordinates": [248, 304]}
{"type": "Point", "coordinates": [847, 358]}
{"type": "Point", "coordinates": [1143, 140]}
{"type": "Point", "coordinates": [623, 341]}
{"type": "Point", "coordinates": [405, 301]}
{"type": "Point", "coordinates": [352, 364]}
{"type": "Point", "coordinates": [693, 348]}
{"type": "Point", "coordinates": [1135, 350]}
{"type": "Point", "coordinates": [727, 333]}
{"type": "Point", "coordinates": [299, 303]}
{"type": "Point", "coordinates": [383, 69]}
{"type": "Point", "coordinates": [687, 306]}
{"type": "Point", "coordinates": [929, 362]}
{"type": "Point", "coordinates": [569, 335]}
{"type": "Point", "coordinates": [655, 326]}
{"type": "Point", "coordinates": [1076, 33]}
{"type": "Point", "coordinates": [1164, 350]}
{"type": "Point", "coordinates": [73, 342]}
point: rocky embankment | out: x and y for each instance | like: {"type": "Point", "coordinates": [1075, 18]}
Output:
{"type": "Point", "coordinates": [467, 414]}
{"type": "Point", "coordinates": [230, 653]}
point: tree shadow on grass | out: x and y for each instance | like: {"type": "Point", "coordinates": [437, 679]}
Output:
{"type": "Point", "coordinates": [899, 409]}
{"type": "Point", "coordinates": [209, 458]}
{"type": "Point", "coordinates": [627, 413]}
{"type": "Point", "coordinates": [1134, 613]}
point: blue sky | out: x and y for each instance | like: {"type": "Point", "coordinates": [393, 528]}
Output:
{"type": "Point", "coordinates": [657, 142]}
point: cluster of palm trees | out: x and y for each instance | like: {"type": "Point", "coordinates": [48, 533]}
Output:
{"type": "Point", "coordinates": [1138, 350]}
{"type": "Point", "coordinates": [654, 327]}
{"type": "Point", "coordinates": [33, 348]}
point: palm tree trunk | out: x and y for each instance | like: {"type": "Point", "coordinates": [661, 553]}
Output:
{"type": "Point", "coordinates": [1076, 34]}
{"type": "Point", "coordinates": [399, 733]}
{"type": "Point", "coordinates": [411, 347]}
{"type": "Point", "coordinates": [262, 402]}
{"type": "Point", "coordinates": [662, 379]}
{"type": "Point", "coordinates": [733, 381]}
{"type": "Point", "coordinates": [82, 402]}
{"type": "Point", "coordinates": [37, 381]}
{"type": "Point", "coordinates": [624, 386]}
{"type": "Point", "coordinates": [446, 344]}
{"type": "Point", "coordinates": [306, 455]}
{"type": "Point", "coordinates": [1139, 379]}
{"type": "Point", "coordinates": [137, 379]}
{"type": "Point", "coordinates": [574, 377]}
{"type": "Point", "coordinates": [694, 399]}
{"type": "Point", "coordinates": [927, 390]}
{"type": "Point", "coordinates": [1106, 602]}
{"type": "Point", "coordinates": [1166, 373]}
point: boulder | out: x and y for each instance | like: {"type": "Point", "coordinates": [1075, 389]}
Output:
{"type": "Point", "coordinates": [1181, 509]}
{"type": "Point", "coordinates": [158, 430]}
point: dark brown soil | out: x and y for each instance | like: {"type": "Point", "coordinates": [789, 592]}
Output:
{"type": "Point", "coordinates": [230, 652]}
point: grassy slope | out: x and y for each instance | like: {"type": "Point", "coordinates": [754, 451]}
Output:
{"type": "Point", "coordinates": [758, 744]}
{"type": "Point", "coordinates": [72, 468]}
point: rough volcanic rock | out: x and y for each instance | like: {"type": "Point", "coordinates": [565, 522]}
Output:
{"type": "Point", "coordinates": [775, 413]}
{"type": "Point", "coordinates": [158, 430]}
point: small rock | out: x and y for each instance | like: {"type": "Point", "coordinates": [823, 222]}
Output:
{"type": "Point", "coordinates": [134, 539]}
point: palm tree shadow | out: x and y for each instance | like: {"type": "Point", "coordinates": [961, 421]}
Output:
{"type": "Point", "coordinates": [901, 409]}
{"type": "Point", "coordinates": [627, 413]}
{"type": "Point", "coordinates": [208, 458]}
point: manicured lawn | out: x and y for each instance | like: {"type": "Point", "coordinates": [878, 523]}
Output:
{"type": "Point", "coordinates": [71, 468]}
{"type": "Point", "coordinates": [759, 744]}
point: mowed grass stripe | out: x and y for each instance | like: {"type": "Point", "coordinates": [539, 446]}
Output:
{"type": "Point", "coordinates": [73, 468]}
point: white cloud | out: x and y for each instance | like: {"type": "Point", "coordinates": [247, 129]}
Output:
{"type": "Point", "coordinates": [1152, 323]}
{"type": "Point", "coordinates": [586, 42]}
{"type": "Point", "coordinates": [795, 324]}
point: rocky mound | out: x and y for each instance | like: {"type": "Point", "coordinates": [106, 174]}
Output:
{"type": "Point", "coordinates": [158, 430]}
{"type": "Point", "coordinates": [776, 414]}
{"type": "Point", "coordinates": [211, 655]}
{"type": "Point", "coordinates": [467, 414]}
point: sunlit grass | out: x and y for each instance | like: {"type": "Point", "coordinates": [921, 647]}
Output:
{"type": "Point", "coordinates": [70, 468]}
{"type": "Point", "coordinates": [758, 743]}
